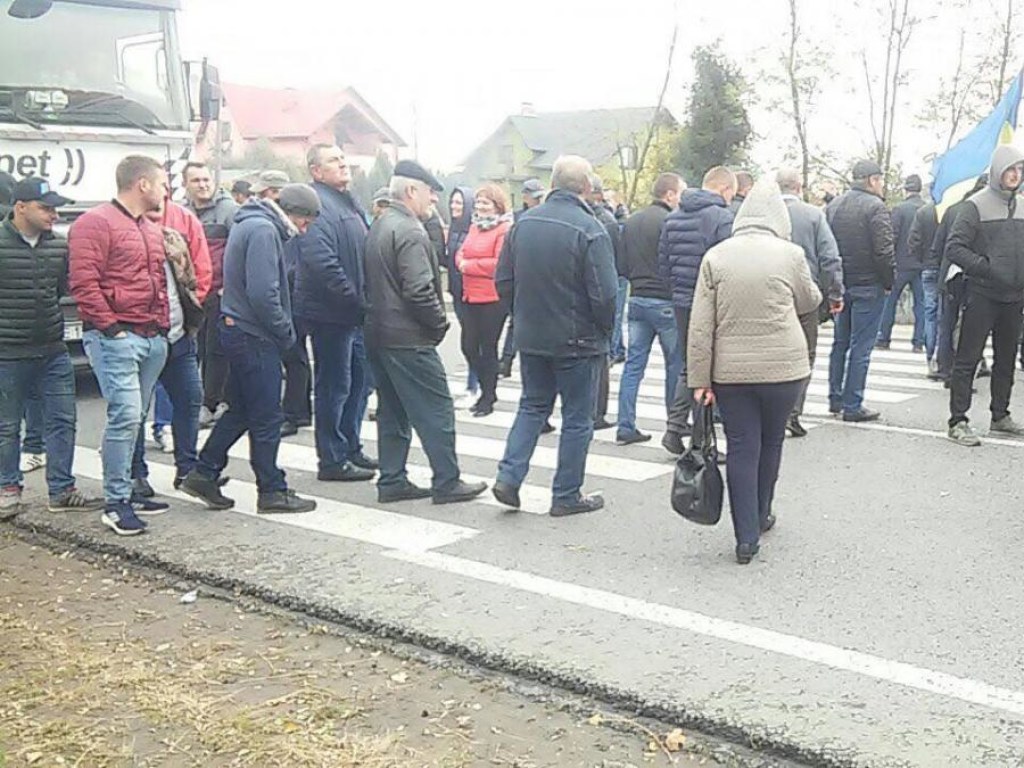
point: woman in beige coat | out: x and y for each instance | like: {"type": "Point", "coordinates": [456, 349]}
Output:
{"type": "Point", "coordinates": [747, 352]}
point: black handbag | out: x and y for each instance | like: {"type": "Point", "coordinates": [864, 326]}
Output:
{"type": "Point", "coordinates": [697, 486]}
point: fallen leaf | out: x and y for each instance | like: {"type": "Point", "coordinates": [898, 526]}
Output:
{"type": "Point", "coordinates": [675, 740]}
{"type": "Point", "coordinates": [400, 677]}
{"type": "Point", "coordinates": [595, 719]}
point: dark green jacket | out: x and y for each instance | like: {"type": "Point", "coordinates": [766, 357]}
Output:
{"type": "Point", "coordinates": [32, 280]}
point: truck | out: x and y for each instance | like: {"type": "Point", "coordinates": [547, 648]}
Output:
{"type": "Point", "coordinates": [86, 82]}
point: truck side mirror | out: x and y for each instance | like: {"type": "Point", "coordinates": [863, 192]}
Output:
{"type": "Point", "coordinates": [209, 94]}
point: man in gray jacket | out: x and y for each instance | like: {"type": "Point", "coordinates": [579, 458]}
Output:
{"type": "Point", "coordinates": [812, 233]}
{"type": "Point", "coordinates": [405, 321]}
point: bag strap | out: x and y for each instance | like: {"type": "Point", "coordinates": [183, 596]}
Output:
{"type": "Point", "coordinates": [709, 439]}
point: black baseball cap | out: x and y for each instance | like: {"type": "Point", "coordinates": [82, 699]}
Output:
{"type": "Point", "coordinates": [35, 189]}
{"type": "Point", "coordinates": [865, 169]}
{"type": "Point", "coordinates": [410, 169]}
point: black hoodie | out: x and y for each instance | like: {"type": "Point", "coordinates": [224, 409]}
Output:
{"type": "Point", "coordinates": [456, 235]}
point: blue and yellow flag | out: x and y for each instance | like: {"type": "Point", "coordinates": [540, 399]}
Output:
{"type": "Point", "coordinates": [955, 171]}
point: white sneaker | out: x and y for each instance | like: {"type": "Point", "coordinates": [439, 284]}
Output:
{"type": "Point", "coordinates": [30, 462]}
{"type": "Point", "coordinates": [467, 400]}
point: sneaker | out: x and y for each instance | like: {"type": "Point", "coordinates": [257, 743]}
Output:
{"type": "Point", "coordinates": [206, 418]}
{"type": "Point", "coordinates": [1007, 426]}
{"type": "Point", "coordinates": [30, 462]}
{"type": "Point", "coordinates": [345, 473]}
{"type": "Point", "coordinates": [73, 500]}
{"type": "Point", "coordinates": [405, 492]}
{"type": "Point", "coordinates": [507, 494]}
{"type": "Point", "coordinates": [862, 415]}
{"type": "Point", "coordinates": [548, 428]}
{"type": "Point", "coordinates": [767, 523]}
{"type": "Point", "coordinates": [962, 434]}
{"type": "Point", "coordinates": [673, 443]}
{"type": "Point", "coordinates": [179, 479]}
{"type": "Point", "coordinates": [283, 502]}
{"type": "Point", "coordinates": [746, 552]}
{"type": "Point", "coordinates": [149, 507]}
{"type": "Point", "coordinates": [795, 428]}
{"type": "Point", "coordinates": [160, 439]}
{"type": "Point", "coordinates": [835, 409]}
{"type": "Point", "coordinates": [631, 438]}
{"type": "Point", "coordinates": [363, 461]}
{"type": "Point", "coordinates": [142, 489]}
{"type": "Point", "coordinates": [207, 490]}
{"type": "Point", "coordinates": [122, 520]}
{"type": "Point", "coordinates": [459, 491]}
{"type": "Point", "coordinates": [602, 423]}
{"type": "Point", "coordinates": [583, 504]}
{"type": "Point", "coordinates": [220, 410]}
{"type": "Point", "coordinates": [10, 501]}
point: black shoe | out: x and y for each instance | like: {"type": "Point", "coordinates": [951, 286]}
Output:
{"type": "Point", "coordinates": [407, 492]}
{"type": "Point", "coordinates": [795, 428]}
{"type": "Point", "coordinates": [548, 428]}
{"type": "Point", "coordinates": [179, 479]}
{"type": "Point", "coordinates": [673, 443]}
{"type": "Point", "coordinates": [882, 345]}
{"type": "Point", "coordinates": [864, 414]}
{"type": "Point", "coordinates": [617, 359]}
{"type": "Point", "coordinates": [483, 409]}
{"type": "Point", "coordinates": [345, 473]}
{"type": "Point", "coordinates": [363, 461]}
{"type": "Point", "coordinates": [632, 438]}
{"type": "Point", "coordinates": [301, 423]}
{"type": "Point", "coordinates": [583, 504]}
{"type": "Point", "coordinates": [142, 489]}
{"type": "Point", "coordinates": [745, 553]}
{"type": "Point", "coordinates": [207, 490]}
{"type": "Point", "coordinates": [289, 428]}
{"type": "Point", "coordinates": [283, 502]}
{"type": "Point", "coordinates": [459, 491]}
{"type": "Point", "coordinates": [918, 348]}
{"type": "Point", "coordinates": [505, 369]}
{"type": "Point", "coordinates": [835, 409]}
{"type": "Point", "coordinates": [602, 423]}
{"type": "Point", "coordinates": [767, 523]}
{"type": "Point", "coordinates": [506, 494]}
{"type": "Point", "coordinates": [984, 371]}
{"type": "Point", "coordinates": [371, 415]}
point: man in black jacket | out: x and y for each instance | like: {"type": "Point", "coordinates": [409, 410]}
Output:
{"type": "Point", "coordinates": [559, 270]}
{"type": "Point", "coordinates": [33, 275]}
{"type": "Point", "coordinates": [604, 214]}
{"type": "Point", "coordinates": [405, 321]}
{"type": "Point", "coordinates": [908, 269]}
{"type": "Point", "coordinates": [987, 243]}
{"type": "Point", "coordinates": [922, 233]}
{"type": "Point", "coordinates": [863, 231]}
{"type": "Point", "coordinates": [650, 304]}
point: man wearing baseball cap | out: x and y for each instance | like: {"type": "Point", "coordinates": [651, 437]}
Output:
{"type": "Point", "coordinates": [255, 331]}
{"type": "Point", "coordinates": [269, 184]}
{"type": "Point", "coordinates": [33, 276]}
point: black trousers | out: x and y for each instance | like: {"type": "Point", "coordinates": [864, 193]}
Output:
{"type": "Point", "coordinates": [982, 316]}
{"type": "Point", "coordinates": [213, 361]}
{"type": "Point", "coordinates": [480, 332]}
{"type": "Point", "coordinates": [601, 385]}
{"type": "Point", "coordinates": [679, 414]}
{"type": "Point", "coordinates": [298, 389]}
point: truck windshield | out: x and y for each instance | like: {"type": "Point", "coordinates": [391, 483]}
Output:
{"type": "Point", "coordinates": [117, 66]}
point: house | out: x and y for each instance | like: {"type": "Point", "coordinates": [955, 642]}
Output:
{"type": "Point", "coordinates": [292, 120]}
{"type": "Point", "coordinates": [526, 145]}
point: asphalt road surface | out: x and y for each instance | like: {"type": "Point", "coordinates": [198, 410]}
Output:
{"type": "Point", "coordinates": [881, 624]}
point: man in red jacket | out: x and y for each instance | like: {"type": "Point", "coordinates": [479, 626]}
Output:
{"type": "Point", "coordinates": [118, 280]}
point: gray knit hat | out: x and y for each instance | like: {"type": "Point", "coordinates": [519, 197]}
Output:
{"type": "Point", "coordinates": [300, 200]}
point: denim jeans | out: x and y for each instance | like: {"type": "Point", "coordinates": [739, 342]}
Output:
{"type": "Point", "coordinates": [127, 370]}
{"type": "Point", "coordinates": [412, 393]}
{"type": "Point", "coordinates": [618, 348]}
{"type": "Point", "coordinates": [33, 442]}
{"type": "Point", "coordinates": [339, 382]}
{"type": "Point", "coordinates": [163, 410]}
{"type": "Point", "coordinates": [903, 279]}
{"type": "Point", "coordinates": [544, 378]}
{"type": "Point", "coordinates": [755, 417]}
{"type": "Point", "coordinates": [214, 361]}
{"type": "Point", "coordinates": [254, 406]}
{"type": "Point", "coordinates": [855, 335]}
{"type": "Point", "coordinates": [180, 380]}
{"type": "Point", "coordinates": [930, 287]}
{"type": "Point", "coordinates": [648, 319]}
{"type": "Point", "coordinates": [53, 378]}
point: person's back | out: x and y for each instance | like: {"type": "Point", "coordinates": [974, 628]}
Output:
{"type": "Point", "coordinates": [862, 227]}
{"type": "Point", "coordinates": [640, 235]}
{"type": "Point", "coordinates": [702, 221]}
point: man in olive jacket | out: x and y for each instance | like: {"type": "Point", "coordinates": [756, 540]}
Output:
{"type": "Point", "coordinates": [405, 321]}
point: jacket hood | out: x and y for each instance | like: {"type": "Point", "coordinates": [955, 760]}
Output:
{"type": "Point", "coordinates": [219, 197]}
{"type": "Point", "coordinates": [466, 219]}
{"type": "Point", "coordinates": [1004, 156]}
{"type": "Point", "coordinates": [700, 198]}
{"type": "Point", "coordinates": [269, 210]}
{"type": "Point", "coordinates": [764, 209]}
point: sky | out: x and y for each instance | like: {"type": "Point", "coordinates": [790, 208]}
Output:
{"type": "Point", "coordinates": [445, 74]}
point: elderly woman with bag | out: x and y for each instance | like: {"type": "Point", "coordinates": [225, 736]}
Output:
{"type": "Point", "coordinates": [747, 352]}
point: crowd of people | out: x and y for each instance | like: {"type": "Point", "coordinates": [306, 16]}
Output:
{"type": "Point", "coordinates": [212, 308]}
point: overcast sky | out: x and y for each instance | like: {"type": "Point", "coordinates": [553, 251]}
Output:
{"type": "Point", "coordinates": [446, 73]}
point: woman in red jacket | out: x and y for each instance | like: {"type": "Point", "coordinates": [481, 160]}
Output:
{"type": "Point", "coordinates": [485, 313]}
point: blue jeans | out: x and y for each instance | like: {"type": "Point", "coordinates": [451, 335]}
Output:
{"type": "Point", "coordinates": [339, 382]}
{"type": "Point", "coordinates": [903, 279]}
{"type": "Point", "coordinates": [618, 349]}
{"type": "Point", "coordinates": [544, 378]}
{"type": "Point", "coordinates": [648, 318]}
{"type": "Point", "coordinates": [184, 392]}
{"type": "Point", "coordinates": [127, 370]}
{"type": "Point", "coordinates": [33, 442]}
{"type": "Point", "coordinates": [254, 406]}
{"type": "Point", "coordinates": [163, 409]}
{"type": "Point", "coordinates": [54, 379]}
{"type": "Point", "coordinates": [930, 287]}
{"type": "Point", "coordinates": [855, 335]}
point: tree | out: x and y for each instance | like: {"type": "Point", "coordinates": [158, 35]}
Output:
{"type": "Point", "coordinates": [365, 184]}
{"type": "Point", "coordinates": [717, 129]}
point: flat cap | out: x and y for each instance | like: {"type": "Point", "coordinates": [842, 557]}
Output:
{"type": "Point", "coordinates": [270, 180]}
{"type": "Point", "coordinates": [865, 169]}
{"type": "Point", "coordinates": [382, 195]}
{"type": "Point", "coordinates": [912, 183]}
{"type": "Point", "coordinates": [300, 200]}
{"type": "Point", "coordinates": [410, 169]}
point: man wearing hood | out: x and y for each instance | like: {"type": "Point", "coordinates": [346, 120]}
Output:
{"type": "Point", "coordinates": [987, 243]}
{"type": "Point", "coordinates": [863, 231]}
{"type": "Point", "coordinates": [703, 220]}
{"type": "Point", "coordinates": [256, 330]}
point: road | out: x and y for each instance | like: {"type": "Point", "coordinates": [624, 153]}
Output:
{"type": "Point", "coordinates": [879, 626]}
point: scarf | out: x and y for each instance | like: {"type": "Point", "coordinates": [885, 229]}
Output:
{"type": "Point", "coordinates": [185, 277]}
{"type": "Point", "coordinates": [490, 222]}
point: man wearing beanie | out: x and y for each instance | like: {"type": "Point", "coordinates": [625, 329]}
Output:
{"type": "Point", "coordinates": [908, 267]}
{"type": "Point", "coordinates": [256, 329]}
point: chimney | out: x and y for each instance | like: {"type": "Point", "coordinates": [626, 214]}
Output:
{"type": "Point", "coordinates": [526, 109]}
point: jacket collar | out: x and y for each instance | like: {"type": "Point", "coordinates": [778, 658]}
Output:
{"type": "Point", "coordinates": [8, 224]}
{"type": "Point", "coordinates": [662, 204]}
{"type": "Point", "coordinates": [404, 210]}
{"type": "Point", "coordinates": [565, 196]}
{"type": "Point", "coordinates": [120, 207]}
